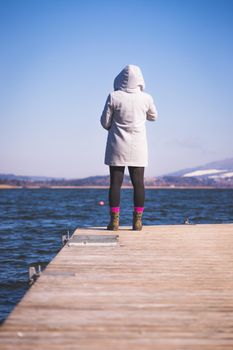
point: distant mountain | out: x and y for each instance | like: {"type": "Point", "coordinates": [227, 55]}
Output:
{"type": "Point", "coordinates": [215, 174]}
{"type": "Point", "coordinates": [44, 181]}
{"type": "Point", "coordinates": [28, 178]}
{"type": "Point", "coordinates": [222, 169]}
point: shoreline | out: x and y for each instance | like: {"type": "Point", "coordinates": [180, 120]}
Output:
{"type": "Point", "coordinates": [37, 187]}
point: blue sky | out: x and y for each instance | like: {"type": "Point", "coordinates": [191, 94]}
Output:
{"type": "Point", "coordinates": [58, 60]}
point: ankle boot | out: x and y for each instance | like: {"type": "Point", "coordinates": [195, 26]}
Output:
{"type": "Point", "coordinates": [137, 221]}
{"type": "Point", "coordinates": [114, 222]}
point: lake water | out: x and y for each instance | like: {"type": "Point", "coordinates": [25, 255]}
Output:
{"type": "Point", "coordinates": [33, 221]}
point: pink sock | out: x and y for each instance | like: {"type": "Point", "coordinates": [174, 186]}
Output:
{"type": "Point", "coordinates": [115, 209]}
{"type": "Point", "coordinates": [138, 209]}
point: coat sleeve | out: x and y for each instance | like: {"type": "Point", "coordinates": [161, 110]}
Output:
{"type": "Point", "coordinates": [106, 117]}
{"type": "Point", "coordinates": [152, 113]}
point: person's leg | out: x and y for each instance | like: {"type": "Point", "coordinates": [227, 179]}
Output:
{"type": "Point", "coordinates": [116, 179]}
{"type": "Point", "coordinates": [137, 179]}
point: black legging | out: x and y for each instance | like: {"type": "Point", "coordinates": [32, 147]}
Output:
{"type": "Point", "coordinates": [116, 179]}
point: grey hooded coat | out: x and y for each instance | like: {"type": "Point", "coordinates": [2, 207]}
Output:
{"type": "Point", "coordinates": [124, 116]}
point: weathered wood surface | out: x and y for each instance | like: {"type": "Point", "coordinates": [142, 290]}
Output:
{"type": "Point", "coordinates": [167, 287]}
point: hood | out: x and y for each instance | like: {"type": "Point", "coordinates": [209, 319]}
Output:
{"type": "Point", "coordinates": [130, 79]}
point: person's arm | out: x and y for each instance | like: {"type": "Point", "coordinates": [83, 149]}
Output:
{"type": "Point", "coordinates": [152, 113]}
{"type": "Point", "coordinates": [106, 117]}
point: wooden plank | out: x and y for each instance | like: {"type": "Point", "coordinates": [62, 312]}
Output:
{"type": "Point", "coordinates": [166, 287]}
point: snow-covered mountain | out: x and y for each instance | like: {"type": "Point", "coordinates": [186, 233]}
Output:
{"type": "Point", "coordinates": [222, 169]}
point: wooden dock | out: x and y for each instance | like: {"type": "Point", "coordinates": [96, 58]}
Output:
{"type": "Point", "coordinates": [165, 288]}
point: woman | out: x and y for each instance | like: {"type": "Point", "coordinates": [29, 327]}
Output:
{"type": "Point", "coordinates": [124, 116]}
